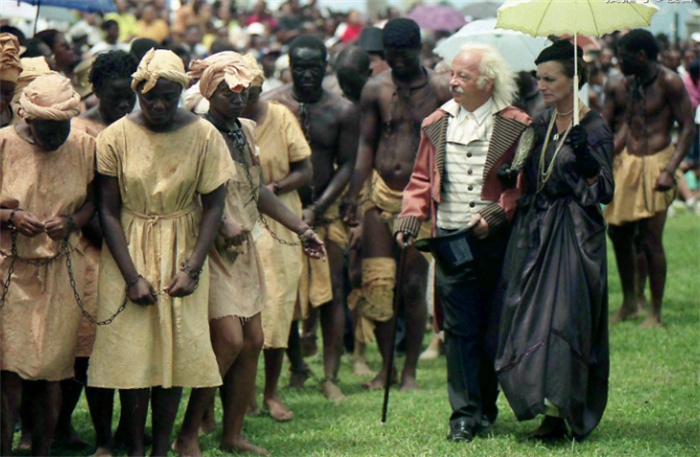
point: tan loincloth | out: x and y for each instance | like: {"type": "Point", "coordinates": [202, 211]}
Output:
{"type": "Point", "coordinates": [315, 286]}
{"type": "Point", "coordinates": [379, 273]}
{"type": "Point", "coordinates": [635, 179]}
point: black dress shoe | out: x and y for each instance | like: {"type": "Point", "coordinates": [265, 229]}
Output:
{"type": "Point", "coordinates": [483, 426]}
{"type": "Point", "coordinates": [461, 431]}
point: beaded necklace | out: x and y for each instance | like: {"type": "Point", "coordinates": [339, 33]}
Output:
{"type": "Point", "coordinates": [545, 172]}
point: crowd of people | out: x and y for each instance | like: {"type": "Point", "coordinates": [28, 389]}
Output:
{"type": "Point", "coordinates": [183, 191]}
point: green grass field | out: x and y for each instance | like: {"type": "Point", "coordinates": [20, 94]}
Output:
{"type": "Point", "coordinates": [653, 407]}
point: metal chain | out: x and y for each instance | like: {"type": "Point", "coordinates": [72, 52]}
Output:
{"type": "Point", "coordinates": [79, 301]}
{"type": "Point", "coordinates": [65, 249]}
{"type": "Point", "coordinates": [241, 144]}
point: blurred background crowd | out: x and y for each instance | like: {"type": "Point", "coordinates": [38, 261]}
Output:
{"type": "Point", "coordinates": [194, 29]}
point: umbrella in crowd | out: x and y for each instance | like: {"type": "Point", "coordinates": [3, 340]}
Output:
{"type": "Point", "coordinates": [481, 10]}
{"type": "Point", "coordinates": [437, 17]}
{"type": "Point", "coordinates": [90, 6]}
{"type": "Point", "coordinates": [518, 49]}
{"type": "Point", "coordinates": [573, 17]}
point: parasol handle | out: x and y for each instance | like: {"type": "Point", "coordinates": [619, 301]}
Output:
{"type": "Point", "coordinates": [576, 119]}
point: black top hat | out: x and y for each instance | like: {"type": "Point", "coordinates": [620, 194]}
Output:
{"type": "Point", "coordinates": [371, 40]}
{"type": "Point", "coordinates": [450, 251]}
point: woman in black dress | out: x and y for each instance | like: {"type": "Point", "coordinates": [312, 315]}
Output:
{"type": "Point", "coordinates": [552, 356]}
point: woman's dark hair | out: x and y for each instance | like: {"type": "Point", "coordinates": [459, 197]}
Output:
{"type": "Point", "coordinates": [562, 51]}
{"type": "Point", "coordinates": [33, 48]}
{"type": "Point", "coordinates": [112, 65]}
{"type": "Point", "coordinates": [14, 31]}
{"type": "Point", "coordinates": [48, 37]}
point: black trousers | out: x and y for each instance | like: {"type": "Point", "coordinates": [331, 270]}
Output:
{"type": "Point", "coordinates": [471, 329]}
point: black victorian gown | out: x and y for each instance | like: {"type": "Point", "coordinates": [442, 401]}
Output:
{"type": "Point", "coordinates": [553, 335]}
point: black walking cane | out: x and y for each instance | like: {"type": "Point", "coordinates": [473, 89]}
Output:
{"type": "Point", "coordinates": [397, 297]}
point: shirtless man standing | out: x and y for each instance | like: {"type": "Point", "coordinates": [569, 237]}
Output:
{"type": "Point", "coordinates": [393, 105]}
{"type": "Point", "coordinates": [651, 98]}
{"type": "Point", "coordinates": [330, 124]}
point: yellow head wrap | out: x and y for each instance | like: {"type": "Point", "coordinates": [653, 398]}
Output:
{"type": "Point", "coordinates": [49, 97]}
{"type": "Point", "coordinates": [252, 62]}
{"type": "Point", "coordinates": [32, 68]}
{"type": "Point", "coordinates": [156, 64]}
{"type": "Point", "coordinates": [226, 66]}
{"type": "Point", "coordinates": [10, 66]}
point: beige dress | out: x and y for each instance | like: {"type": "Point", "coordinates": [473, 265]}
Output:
{"type": "Point", "coordinates": [161, 176]}
{"type": "Point", "coordinates": [237, 284]}
{"type": "Point", "coordinates": [281, 143]}
{"type": "Point", "coordinates": [39, 322]}
{"type": "Point", "coordinates": [91, 261]}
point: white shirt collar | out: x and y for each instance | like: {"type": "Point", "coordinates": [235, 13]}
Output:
{"type": "Point", "coordinates": [480, 114]}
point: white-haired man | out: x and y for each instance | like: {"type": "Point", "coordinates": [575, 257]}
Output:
{"type": "Point", "coordinates": [456, 183]}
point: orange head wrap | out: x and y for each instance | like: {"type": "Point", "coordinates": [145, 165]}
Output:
{"type": "Point", "coordinates": [49, 97]}
{"type": "Point", "coordinates": [10, 66]}
{"type": "Point", "coordinates": [225, 66]}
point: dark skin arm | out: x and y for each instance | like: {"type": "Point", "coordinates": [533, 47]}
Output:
{"type": "Point", "coordinates": [109, 205]}
{"type": "Point", "coordinates": [271, 206]}
{"type": "Point", "coordinates": [614, 95]}
{"type": "Point", "coordinates": [682, 109]}
{"type": "Point", "coordinates": [299, 176]}
{"type": "Point", "coordinates": [27, 224]}
{"type": "Point", "coordinates": [212, 209]}
{"type": "Point", "coordinates": [347, 150]}
{"type": "Point", "coordinates": [370, 115]}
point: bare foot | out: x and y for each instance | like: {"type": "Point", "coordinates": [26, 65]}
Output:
{"type": "Point", "coordinates": [242, 445]}
{"type": "Point", "coordinates": [102, 452]}
{"type": "Point", "coordinates": [652, 321]}
{"type": "Point", "coordinates": [331, 391]}
{"type": "Point", "coordinates": [297, 378]}
{"type": "Point", "coordinates": [278, 411]}
{"type": "Point", "coordinates": [408, 382]}
{"type": "Point", "coordinates": [360, 368]}
{"type": "Point", "coordinates": [378, 382]}
{"type": "Point", "coordinates": [187, 447]}
{"type": "Point", "coordinates": [626, 312]}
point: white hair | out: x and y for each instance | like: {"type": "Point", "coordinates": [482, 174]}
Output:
{"type": "Point", "coordinates": [494, 67]}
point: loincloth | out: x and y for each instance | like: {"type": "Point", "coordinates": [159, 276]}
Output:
{"type": "Point", "coordinates": [315, 287]}
{"type": "Point", "coordinates": [388, 203]}
{"type": "Point", "coordinates": [635, 179]}
{"type": "Point", "coordinates": [378, 281]}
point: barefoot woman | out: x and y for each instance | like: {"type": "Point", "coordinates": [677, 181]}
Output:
{"type": "Point", "coordinates": [46, 174]}
{"type": "Point", "coordinates": [236, 294]}
{"type": "Point", "coordinates": [154, 165]}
